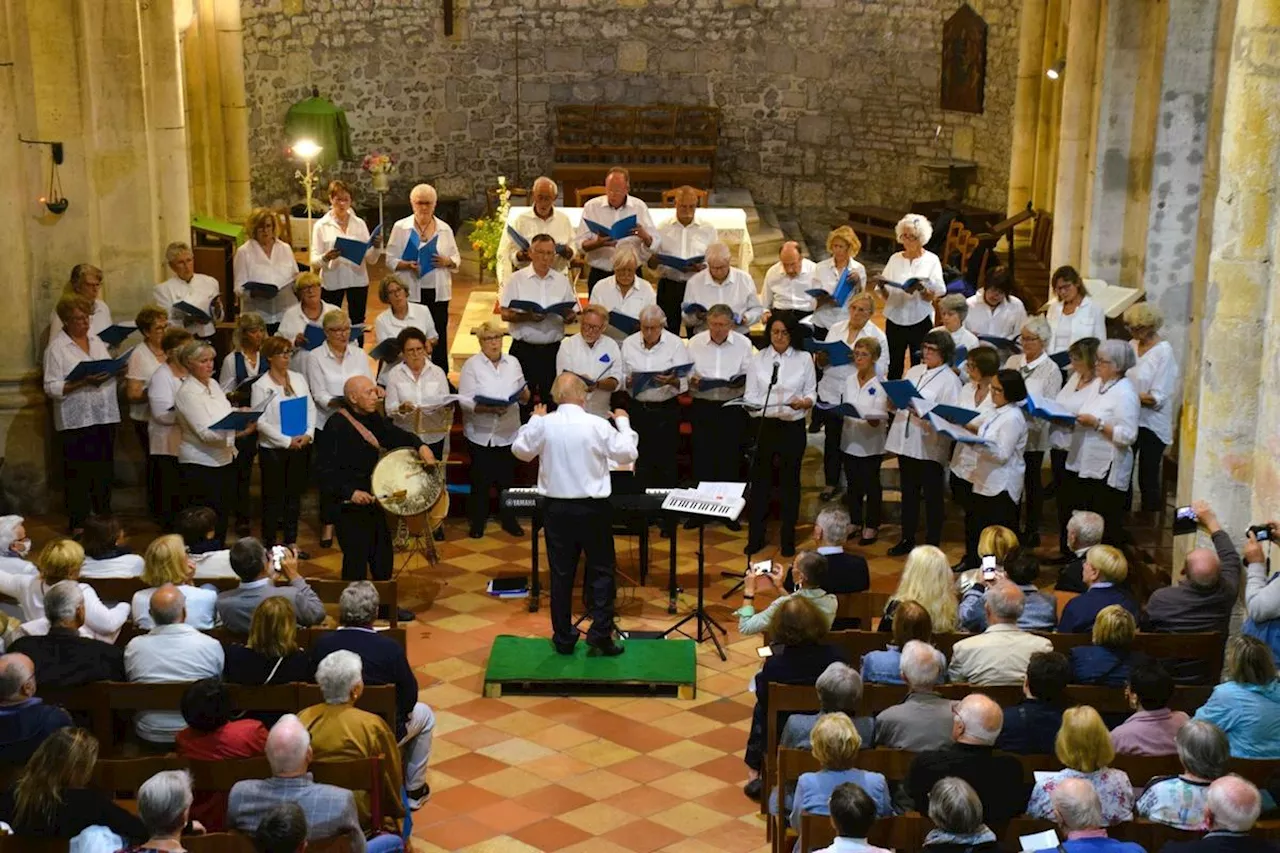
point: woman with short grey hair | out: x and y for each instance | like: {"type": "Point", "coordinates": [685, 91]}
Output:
{"type": "Point", "coordinates": [1179, 801]}
{"type": "Point", "coordinates": [358, 604]}
{"type": "Point", "coordinates": [164, 804]}
{"type": "Point", "coordinates": [338, 675]}
{"type": "Point", "coordinates": [908, 310]}
{"type": "Point", "coordinates": [1155, 377]}
{"type": "Point", "coordinates": [1101, 454]}
{"type": "Point", "coordinates": [956, 813]}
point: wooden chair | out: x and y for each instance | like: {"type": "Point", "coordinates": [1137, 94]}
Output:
{"type": "Point", "coordinates": [271, 698]}
{"type": "Point", "coordinates": [615, 133]}
{"type": "Point", "coordinates": [698, 134]}
{"type": "Point", "coordinates": [329, 591]}
{"type": "Point", "coordinates": [122, 777]}
{"type": "Point", "coordinates": [356, 774]}
{"type": "Point", "coordinates": [32, 844]}
{"type": "Point", "coordinates": [968, 246]}
{"type": "Point", "coordinates": [575, 141]}
{"type": "Point", "coordinates": [791, 763]}
{"type": "Point", "coordinates": [669, 196]}
{"type": "Point", "coordinates": [376, 699]}
{"type": "Point", "coordinates": [900, 832]}
{"type": "Point", "coordinates": [234, 842]}
{"type": "Point", "coordinates": [783, 699]}
{"type": "Point", "coordinates": [123, 589]}
{"type": "Point", "coordinates": [585, 194]}
{"type": "Point", "coordinates": [655, 133]}
{"type": "Point", "coordinates": [867, 608]}
{"type": "Point", "coordinates": [952, 244]}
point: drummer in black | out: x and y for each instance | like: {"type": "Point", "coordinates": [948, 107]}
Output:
{"type": "Point", "coordinates": [359, 434]}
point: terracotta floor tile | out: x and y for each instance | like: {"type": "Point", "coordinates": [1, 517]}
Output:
{"type": "Point", "coordinates": [643, 836]}
{"type": "Point", "coordinates": [471, 766]}
{"type": "Point", "coordinates": [724, 711]}
{"type": "Point", "coordinates": [553, 799]}
{"type": "Point", "coordinates": [645, 800]}
{"type": "Point", "coordinates": [510, 782]}
{"type": "Point", "coordinates": [597, 818]}
{"type": "Point", "coordinates": [483, 710]}
{"type": "Point", "coordinates": [687, 754]}
{"type": "Point", "coordinates": [559, 736]}
{"type": "Point", "coordinates": [690, 818]}
{"type": "Point", "coordinates": [461, 799]}
{"type": "Point", "coordinates": [459, 832]}
{"type": "Point", "coordinates": [734, 836]}
{"type": "Point", "coordinates": [724, 739]}
{"type": "Point", "coordinates": [731, 800]}
{"type": "Point", "coordinates": [500, 844]}
{"type": "Point", "coordinates": [550, 834]}
{"type": "Point", "coordinates": [642, 738]}
{"type": "Point", "coordinates": [644, 768]}
{"type": "Point", "coordinates": [598, 784]}
{"type": "Point", "coordinates": [506, 816]}
{"type": "Point", "coordinates": [558, 766]}
{"type": "Point", "coordinates": [601, 753]}
{"type": "Point", "coordinates": [689, 784]}
{"type": "Point", "coordinates": [517, 751]}
{"type": "Point", "coordinates": [726, 768]}
{"type": "Point", "coordinates": [475, 738]}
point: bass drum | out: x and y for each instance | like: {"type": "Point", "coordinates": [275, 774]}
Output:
{"type": "Point", "coordinates": [406, 487]}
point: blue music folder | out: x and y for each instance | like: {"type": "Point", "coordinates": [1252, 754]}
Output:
{"type": "Point", "coordinates": [1001, 343]}
{"type": "Point", "coordinates": [481, 400]}
{"type": "Point", "coordinates": [355, 250]}
{"type": "Point", "coordinates": [642, 380]}
{"type": "Point", "coordinates": [624, 323]}
{"type": "Point", "coordinates": [901, 392]}
{"type": "Point", "coordinates": [85, 369]}
{"type": "Point", "coordinates": [313, 336]}
{"type": "Point", "coordinates": [955, 414]}
{"type": "Point", "coordinates": [192, 311]}
{"type": "Point", "coordinates": [707, 383]}
{"type": "Point", "coordinates": [263, 289]}
{"type": "Point", "coordinates": [517, 238]}
{"type": "Point", "coordinates": [293, 416]}
{"type": "Point", "coordinates": [678, 263]}
{"type": "Point", "coordinates": [848, 410]}
{"type": "Point", "coordinates": [844, 288]}
{"type": "Point", "coordinates": [427, 255]}
{"type": "Point", "coordinates": [838, 352]}
{"type": "Point", "coordinates": [1062, 359]}
{"type": "Point", "coordinates": [236, 421]}
{"type": "Point", "coordinates": [621, 228]}
{"type": "Point", "coordinates": [115, 335]}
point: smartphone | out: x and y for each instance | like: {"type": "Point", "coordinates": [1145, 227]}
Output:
{"type": "Point", "coordinates": [762, 568]}
{"type": "Point", "coordinates": [989, 568]}
{"type": "Point", "coordinates": [768, 651]}
{"type": "Point", "coordinates": [1185, 521]}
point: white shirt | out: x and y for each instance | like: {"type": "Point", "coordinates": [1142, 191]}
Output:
{"type": "Point", "coordinates": [1088, 321]}
{"type": "Point", "coordinates": [782, 291]}
{"type": "Point", "coordinates": [861, 437]}
{"type": "Point", "coordinates": [796, 380]}
{"type": "Point", "coordinates": [200, 406]}
{"type": "Point", "coordinates": [1004, 321]}
{"type": "Point", "coordinates": [169, 653]}
{"type": "Point", "coordinates": [213, 564]}
{"type": "Point", "coordinates": [88, 405]}
{"type": "Point", "coordinates": [529, 225]}
{"type": "Point", "coordinates": [907, 309]}
{"type": "Point", "coordinates": [428, 388]}
{"type": "Point", "coordinates": [251, 263]}
{"type": "Point", "coordinates": [961, 337]}
{"type": "Point", "coordinates": [199, 292]}
{"type": "Point", "coordinates": [911, 435]}
{"type": "Point", "coordinates": [1116, 405]}
{"type": "Point", "coordinates": [682, 241]}
{"type": "Point", "coordinates": [142, 364]}
{"type": "Point", "coordinates": [999, 467]}
{"type": "Point", "coordinates": [599, 362]}
{"type": "Point", "coordinates": [667, 353]}
{"type": "Point", "coordinates": [439, 279]}
{"type": "Point", "coordinates": [294, 323]}
{"type": "Point", "coordinates": [574, 450]}
{"type": "Point", "coordinates": [1071, 397]}
{"type": "Point", "coordinates": [1043, 380]}
{"type": "Point", "coordinates": [826, 276]}
{"type": "Point", "coordinates": [201, 607]}
{"type": "Point", "coordinates": [326, 374]}
{"type": "Point", "coordinates": [720, 361]}
{"type": "Point", "coordinates": [100, 319]}
{"type": "Point", "coordinates": [737, 291]}
{"type": "Point", "coordinates": [485, 378]}
{"type": "Point", "coordinates": [599, 211]}
{"type": "Point", "coordinates": [832, 384]}
{"type": "Point", "coordinates": [638, 296]}
{"type": "Point", "coordinates": [227, 373]}
{"type": "Point", "coordinates": [163, 433]}
{"type": "Point", "coordinates": [545, 290]}
{"type": "Point", "coordinates": [339, 273]}
{"type": "Point", "coordinates": [102, 622]}
{"type": "Point", "coordinates": [269, 434]}
{"type": "Point", "coordinates": [387, 326]}
{"type": "Point", "coordinates": [964, 457]}
{"type": "Point", "coordinates": [1156, 373]}
{"type": "Point", "coordinates": [124, 566]}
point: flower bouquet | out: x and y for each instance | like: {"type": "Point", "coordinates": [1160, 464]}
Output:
{"type": "Point", "coordinates": [379, 166]}
{"type": "Point", "coordinates": [487, 231]}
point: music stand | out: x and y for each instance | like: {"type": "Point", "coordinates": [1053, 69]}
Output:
{"type": "Point", "coordinates": [707, 625]}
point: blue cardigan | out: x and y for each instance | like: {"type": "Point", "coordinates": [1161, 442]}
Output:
{"type": "Point", "coordinates": [1079, 614]}
{"type": "Point", "coordinates": [1100, 665]}
{"type": "Point", "coordinates": [1249, 715]}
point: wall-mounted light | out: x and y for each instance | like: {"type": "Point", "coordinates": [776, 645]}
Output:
{"type": "Point", "coordinates": [1054, 72]}
{"type": "Point", "coordinates": [53, 199]}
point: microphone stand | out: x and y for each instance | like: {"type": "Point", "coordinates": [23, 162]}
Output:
{"type": "Point", "coordinates": [755, 454]}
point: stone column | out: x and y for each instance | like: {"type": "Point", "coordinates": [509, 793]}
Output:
{"type": "Point", "coordinates": [1050, 109]}
{"type": "Point", "coordinates": [166, 126]}
{"type": "Point", "coordinates": [1026, 105]}
{"type": "Point", "coordinates": [1075, 133]}
{"type": "Point", "coordinates": [235, 115]}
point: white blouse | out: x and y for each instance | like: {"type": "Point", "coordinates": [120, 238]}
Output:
{"type": "Point", "coordinates": [269, 434]}
{"type": "Point", "coordinates": [142, 364]}
{"type": "Point", "coordinates": [201, 405]}
{"type": "Point", "coordinates": [598, 363]}
{"type": "Point", "coordinates": [251, 263]}
{"type": "Point", "coordinates": [720, 361]}
{"type": "Point", "coordinates": [163, 433]}
{"type": "Point", "coordinates": [682, 241]}
{"type": "Point", "coordinates": [227, 374]}
{"type": "Point", "coordinates": [907, 309]}
{"type": "Point", "coordinates": [124, 566]}
{"type": "Point", "coordinates": [913, 436]}
{"type": "Point", "coordinates": [737, 291]}
{"type": "Point", "coordinates": [640, 295]}
{"type": "Point", "coordinates": [964, 457]}
{"type": "Point", "coordinates": [861, 437]}
{"type": "Point", "coordinates": [669, 352]}
{"type": "Point", "coordinates": [1004, 321]}
{"type": "Point", "coordinates": [797, 380]}
{"type": "Point", "coordinates": [339, 273]}
{"type": "Point", "coordinates": [439, 279]}
{"type": "Point", "coordinates": [388, 326]}
{"type": "Point", "coordinates": [1156, 373]}
{"type": "Point", "coordinates": [1071, 397]}
{"type": "Point", "coordinates": [1087, 321]}
{"type": "Point", "coordinates": [199, 292]}
{"type": "Point", "coordinates": [100, 319]}
{"type": "Point", "coordinates": [327, 373]}
{"type": "Point", "coordinates": [427, 389]}
{"type": "Point", "coordinates": [1043, 380]}
{"type": "Point", "coordinates": [88, 405]}
{"type": "Point", "coordinates": [832, 384]}
{"type": "Point", "coordinates": [102, 622]}
{"type": "Point", "coordinates": [498, 380]}
{"type": "Point", "coordinates": [1097, 456]}
{"type": "Point", "coordinates": [294, 323]}
{"type": "Point", "coordinates": [999, 466]}
{"type": "Point", "coordinates": [826, 276]}
{"type": "Point", "coordinates": [784, 292]}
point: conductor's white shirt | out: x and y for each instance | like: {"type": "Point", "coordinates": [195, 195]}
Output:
{"type": "Point", "coordinates": [575, 449]}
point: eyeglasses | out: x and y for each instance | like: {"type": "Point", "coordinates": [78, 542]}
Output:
{"type": "Point", "coordinates": [592, 327]}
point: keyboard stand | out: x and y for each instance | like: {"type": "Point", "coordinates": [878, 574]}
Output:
{"type": "Point", "coordinates": [707, 626]}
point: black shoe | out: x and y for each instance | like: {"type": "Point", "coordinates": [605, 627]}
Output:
{"type": "Point", "coordinates": [734, 525]}
{"type": "Point", "coordinates": [754, 789]}
{"type": "Point", "coordinates": [604, 647]}
{"type": "Point", "coordinates": [302, 555]}
{"type": "Point", "coordinates": [789, 550]}
{"type": "Point", "coordinates": [403, 615]}
{"type": "Point", "coordinates": [438, 535]}
{"type": "Point", "coordinates": [563, 648]}
{"type": "Point", "coordinates": [903, 547]}
{"type": "Point", "coordinates": [418, 798]}
{"type": "Point", "coordinates": [869, 540]}
{"type": "Point", "coordinates": [513, 527]}
{"type": "Point", "coordinates": [753, 547]}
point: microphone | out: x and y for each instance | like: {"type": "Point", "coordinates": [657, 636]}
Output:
{"type": "Point", "coordinates": [774, 380]}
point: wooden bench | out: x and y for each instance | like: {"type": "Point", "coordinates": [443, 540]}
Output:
{"type": "Point", "coordinates": [306, 637]}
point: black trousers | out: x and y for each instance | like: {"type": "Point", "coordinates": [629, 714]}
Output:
{"type": "Point", "coordinates": [670, 298]}
{"type": "Point", "coordinates": [214, 487]}
{"type": "Point", "coordinates": [832, 455]}
{"type": "Point", "coordinates": [491, 467]}
{"type": "Point", "coordinates": [594, 275]}
{"type": "Point", "coordinates": [717, 441]}
{"type": "Point", "coordinates": [284, 477]}
{"type": "Point", "coordinates": [365, 541]}
{"type": "Point", "coordinates": [357, 300]}
{"type": "Point", "coordinates": [328, 508]}
{"type": "Point", "coordinates": [572, 527]}
{"type": "Point", "coordinates": [658, 426]}
{"type": "Point", "coordinates": [439, 316]}
{"type": "Point", "coordinates": [992, 510]}
{"type": "Point", "coordinates": [921, 479]}
{"type": "Point", "coordinates": [1149, 463]}
{"type": "Point", "coordinates": [962, 494]}
{"type": "Point", "coordinates": [785, 442]}
{"type": "Point", "coordinates": [538, 361]}
{"type": "Point", "coordinates": [88, 455]}
{"type": "Point", "coordinates": [902, 337]}
{"type": "Point", "coordinates": [166, 485]}
{"type": "Point", "coordinates": [1097, 496]}
{"type": "Point", "coordinates": [862, 476]}
{"type": "Point", "coordinates": [144, 441]}
{"type": "Point", "coordinates": [1033, 490]}
{"type": "Point", "coordinates": [246, 455]}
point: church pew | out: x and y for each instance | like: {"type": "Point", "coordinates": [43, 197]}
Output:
{"type": "Point", "coordinates": [306, 637]}
{"type": "Point", "coordinates": [234, 842]}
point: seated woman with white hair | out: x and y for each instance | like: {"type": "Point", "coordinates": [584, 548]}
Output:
{"type": "Point", "coordinates": [1043, 380]}
{"type": "Point", "coordinates": [15, 547]}
{"type": "Point", "coordinates": [956, 813]}
{"type": "Point", "coordinates": [1180, 801]}
{"type": "Point", "coordinates": [1155, 377]}
{"type": "Point", "coordinates": [1101, 454]}
{"type": "Point", "coordinates": [625, 294]}
{"type": "Point", "coordinates": [908, 312]}
{"type": "Point", "coordinates": [164, 805]}
{"type": "Point", "coordinates": [720, 284]}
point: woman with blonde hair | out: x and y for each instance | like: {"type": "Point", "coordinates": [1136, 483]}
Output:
{"type": "Point", "coordinates": [165, 561]}
{"type": "Point", "coordinates": [624, 294]}
{"type": "Point", "coordinates": [1071, 314]}
{"type": "Point", "coordinates": [61, 560]}
{"type": "Point", "coordinates": [307, 313]}
{"type": "Point", "coordinates": [1039, 612]}
{"type": "Point", "coordinates": [148, 357]}
{"type": "Point", "coordinates": [264, 259]}
{"type": "Point", "coordinates": [272, 654]}
{"type": "Point", "coordinates": [1108, 660]}
{"type": "Point", "coordinates": [1155, 377]}
{"type": "Point", "coordinates": [52, 796]}
{"type": "Point", "coordinates": [1083, 745]}
{"type": "Point", "coordinates": [835, 746]}
{"type": "Point", "coordinates": [843, 246]}
{"type": "Point", "coordinates": [908, 311]}
{"type": "Point", "coordinates": [927, 580]}
{"type": "Point", "coordinates": [1105, 570]}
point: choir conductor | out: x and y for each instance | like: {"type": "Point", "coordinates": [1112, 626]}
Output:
{"type": "Point", "coordinates": [573, 477]}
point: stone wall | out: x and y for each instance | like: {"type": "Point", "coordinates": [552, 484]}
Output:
{"type": "Point", "coordinates": [824, 102]}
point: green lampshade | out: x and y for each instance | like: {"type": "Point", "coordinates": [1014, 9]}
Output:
{"type": "Point", "coordinates": [320, 120]}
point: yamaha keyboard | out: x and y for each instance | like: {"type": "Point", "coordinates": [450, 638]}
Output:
{"type": "Point", "coordinates": [528, 502]}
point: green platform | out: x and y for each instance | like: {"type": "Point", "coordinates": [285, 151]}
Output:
{"type": "Point", "coordinates": [530, 665]}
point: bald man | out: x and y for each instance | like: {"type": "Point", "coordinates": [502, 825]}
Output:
{"type": "Point", "coordinates": [615, 205]}
{"type": "Point", "coordinates": [680, 238]}
{"type": "Point", "coordinates": [1202, 600]}
{"type": "Point", "coordinates": [785, 284]}
{"type": "Point", "coordinates": [976, 723]}
{"type": "Point", "coordinates": [1232, 807]}
{"type": "Point", "coordinates": [25, 721]}
{"type": "Point", "coordinates": [1078, 812]}
{"type": "Point", "coordinates": [357, 435]}
{"type": "Point", "coordinates": [543, 218]}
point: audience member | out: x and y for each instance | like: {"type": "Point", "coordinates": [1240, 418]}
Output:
{"type": "Point", "coordinates": [1084, 747]}
{"type": "Point", "coordinates": [1031, 726]}
{"type": "Point", "coordinates": [1247, 705]}
{"type": "Point", "coordinates": [171, 651]}
{"type": "Point", "coordinates": [971, 757]}
{"type": "Point", "coordinates": [808, 571]}
{"type": "Point", "coordinates": [164, 805]}
{"type": "Point", "coordinates": [1107, 661]}
{"type": "Point", "coordinates": [15, 547]}
{"type": "Point", "coordinates": [1039, 611]}
{"type": "Point", "coordinates": [923, 720]}
{"type": "Point", "coordinates": [165, 561]}
{"type": "Point", "coordinates": [64, 657]}
{"type": "Point", "coordinates": [211, 735]}
{"type": "Point", "coordinates": [845, 572]}
{"type": "Point", "coordinates": [1084, 530]}
{"type": "Point", "coordinates": [911, 622]}
{"type": "Point", "coordinates": [25, 721]}
{"type": "Point", "coordinates": [1105, 569]}
{"type": "Point", "coordinates": [384, 661]}
{"type": "Point", "coordinates": [999, 655]}
{"type": "Point", "coordinates": [1261, 599]}
{"type": "Point", "coordinates": [839, 691]}
{"type": "Point", "coordinates": [1202, 600]}
{"type": "Point", "coordinates": [253, 565]}
{"type": "Point", "coordinates": [60, 560]}
{"type": "Point", "coordinates": [340, 731]}
{"type": "Point", "coordinates": [1232, 808]}
{"type": "Point", "coordinates": [835, 746]}
{"type": "Point", "coordinates": [927, 580]}
{"type": "Point", "coordinates": [1078, 811]}
{"type": "Point", "coordinates": [852, 814]}
{"type": "Point", "coordinates": [106, 554]}
{"type": "Point", "coordinates": [1151, 729]}
{"type": "Point", "coordinates": [1179, 801]}
{"type": "Point", "coordinates": [282, 830]}
{"type": "Point", "coordinates": [956, 813]}
{"type": "Point", "coordinates": [271, 655]}
{"type": "Point", "coordinates": [51, 797]}
{"type": "Point", "coordinates": [197, 525]}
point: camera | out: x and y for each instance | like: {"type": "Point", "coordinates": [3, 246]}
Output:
{"type": "Point", "coordinates": [278, 553]}
{"type": "Point", "coordinates": [1184, 520]}
{"type": "Point", "coordinates": [989, 567]}
{"type": "Point", "coordinates": [762, 568]}
{"type": "Point", "coordinates": [1261, 532]}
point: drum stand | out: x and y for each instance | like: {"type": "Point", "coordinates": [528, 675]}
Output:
{"type": "Point", "coordinates": [413, 539]}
